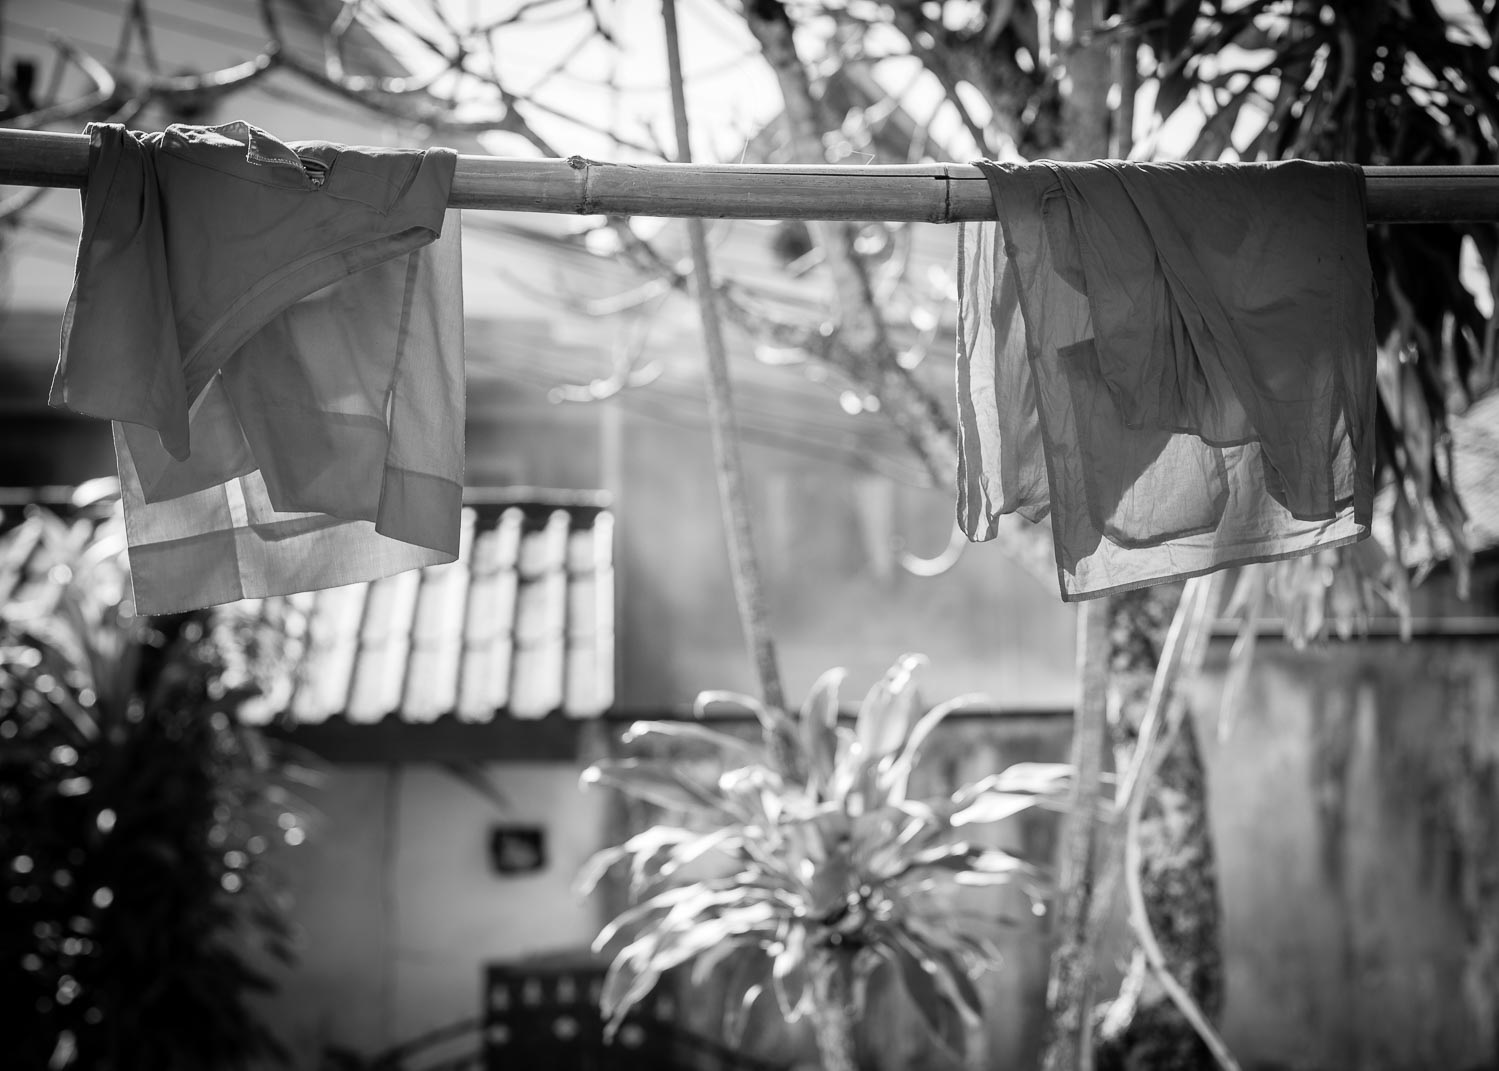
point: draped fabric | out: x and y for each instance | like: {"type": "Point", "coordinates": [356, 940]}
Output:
{"type": "Point", "coordinates": [1175, 362]}
{"type": "Point", "coordinates": [276, 331]}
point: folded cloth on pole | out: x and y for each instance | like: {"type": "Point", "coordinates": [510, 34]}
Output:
{"type": "Point", "coordinates": [1174, 361]}
{"type": "Point", "coordinates": [277, 332]}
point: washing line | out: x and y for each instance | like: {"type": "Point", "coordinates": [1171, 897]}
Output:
{"type": "Point", "coordinates": [930, 193]}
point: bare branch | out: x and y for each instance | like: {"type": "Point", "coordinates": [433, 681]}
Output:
{"type": "Point", "coordinates": [103, 93]}
{"type": "Point", "coordinates": [860, 345]}
{"type": "Point", "coordinates": [137, 24]}
{"type": "Point", "coordinates": [631, 368]}
{"type": "Point", "coordinates": [522, 13]}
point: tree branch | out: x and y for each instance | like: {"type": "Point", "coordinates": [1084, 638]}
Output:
{"type": "Point", "coordinates": [859, 344]}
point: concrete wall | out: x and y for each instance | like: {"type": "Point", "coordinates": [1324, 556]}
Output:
{"type": "Point", "coordinates": [397, 908]}
{"type": "Point", "coordinates": [1339, 804]}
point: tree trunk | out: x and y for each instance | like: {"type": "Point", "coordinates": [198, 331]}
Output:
{"type": "Point", "coordinates": [1069, 990]}
{"type": "Point", "coordinates": [1142, 1029]}
{"type": "Point", "coordinates": [833, 1013]}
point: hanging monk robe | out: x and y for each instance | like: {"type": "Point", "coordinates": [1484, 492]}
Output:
{"type": "Point", "coordinates": [1175, 362]}
{"type": "Point", "coordinates": [276, 331]}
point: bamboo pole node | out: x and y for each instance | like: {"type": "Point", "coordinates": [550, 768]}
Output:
{"type": "Point", "coordinates": [946, 194]}
{"type": "Point", "coordinates": [584, 167]}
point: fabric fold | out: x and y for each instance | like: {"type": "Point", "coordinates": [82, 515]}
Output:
{"type": "Point", "coordinates": [277, 331]}
{"type": "Point", "coordinates": [1187, 352]}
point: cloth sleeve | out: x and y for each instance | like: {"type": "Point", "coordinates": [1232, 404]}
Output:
{"type": "Point", "coordinates": [119, 356]}
{"type": "Point", "coordinates": [422, 499]}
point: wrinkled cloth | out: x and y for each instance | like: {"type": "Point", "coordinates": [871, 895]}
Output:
{"type": "Point", "coordinates": [1175, 362]}
{"type": "Point", "coordinates": [276, 331]}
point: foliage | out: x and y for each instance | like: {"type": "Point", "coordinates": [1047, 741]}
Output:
{"type": "Point", "coordinates": [1410, 83]}
{"type": "Point", "coordinates": [135, 812]}
{"type": "Point", "coordinates": [822, 854]}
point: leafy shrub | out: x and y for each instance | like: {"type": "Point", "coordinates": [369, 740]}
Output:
{"type": "Point", "coordinates": [826, 865]}
{"type": "Point", "coordinates": [135, 903]}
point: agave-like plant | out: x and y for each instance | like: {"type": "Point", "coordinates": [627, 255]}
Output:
{"type": "Point", "coordinates": [826, 868]}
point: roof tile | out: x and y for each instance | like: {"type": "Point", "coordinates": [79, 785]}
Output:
{"type": "Point", "coordinates": [521, 624]}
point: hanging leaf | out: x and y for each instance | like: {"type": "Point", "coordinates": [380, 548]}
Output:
{"type": "Point", "coordinates": [994, 807]}
{"type": "Point", "coordinates": [819, 728]}
{"type": "Point", "coordinates": [598, 865]}
{"type": "Point", "coordinates": [731, 747]}
{"type": "Point", "coordinates": [659, 782]}
{"type": "Point", "coordinates": [994, 867]}
{"type": "Point", "coordinates": [898, 775]}
{"type": "Point", "coordinates": [886, 715]}
{"type": "Point", "coordinates": [736, 1017]}
{"type": "Point", "coordinates": [788, 976]}
{"type": "Point", "coordinates": [771, 721]}
{"type": "Point", "coordinates": [939, 1011]}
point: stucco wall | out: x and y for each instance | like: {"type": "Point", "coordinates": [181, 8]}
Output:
{"type": "Point", "coordinates": [397, 908]}
{"type": "Point", "coordinates": [1345, 942]}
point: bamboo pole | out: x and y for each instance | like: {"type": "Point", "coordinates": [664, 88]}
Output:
{"type": "Point", "coordinates": [931, 193]}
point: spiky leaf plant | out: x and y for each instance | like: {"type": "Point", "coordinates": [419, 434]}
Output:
{"type": "Point", "coordinates": [827, 868]}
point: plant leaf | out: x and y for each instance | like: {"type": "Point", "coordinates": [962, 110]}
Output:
{"type": "Point", "coordinates": [654, 781]}
{"type": "Point", "coordinates": [918, 974]}
{"type": "Point", "coordinates": [898, 776]}
{"type": "Point", "coordinates": [732, 748]}
{"type": "Point", "coordinates": [788, 975]}
{"type": "Point", "coordinates": [771, 721]}
{"type": "Point", "coordinates": [736, 1018]}
{"type": "Point", "coordinates": [993, 866]}
{"type": "Point", "coordinates": [886, 714]}
{"type": "Point", "coordinates": [994, 807]}
{"type": "Point", "coordinates": [819, 727]}
{"type": "Point", "coordinates": [681, 936]}
{"type": "Point", "coordinates": [596, 866]}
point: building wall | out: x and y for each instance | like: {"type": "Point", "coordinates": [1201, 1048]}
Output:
{"type": "Point", "coordinates": [397, 908]}
{"type": "Point", "coordinates": [1340, 803]}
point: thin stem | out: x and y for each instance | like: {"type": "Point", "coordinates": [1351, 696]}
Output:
{"type": "Point", "coordinates": [833, 1011]}
{"type": "Point", "coordinates": [1179, 662]}
{"type": "Point", "coordinates": [1140, 919]}
{"type": "Point", "coordinates": [748, 590]}
{"type": "Point", "coordinates": [1198, 596]}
